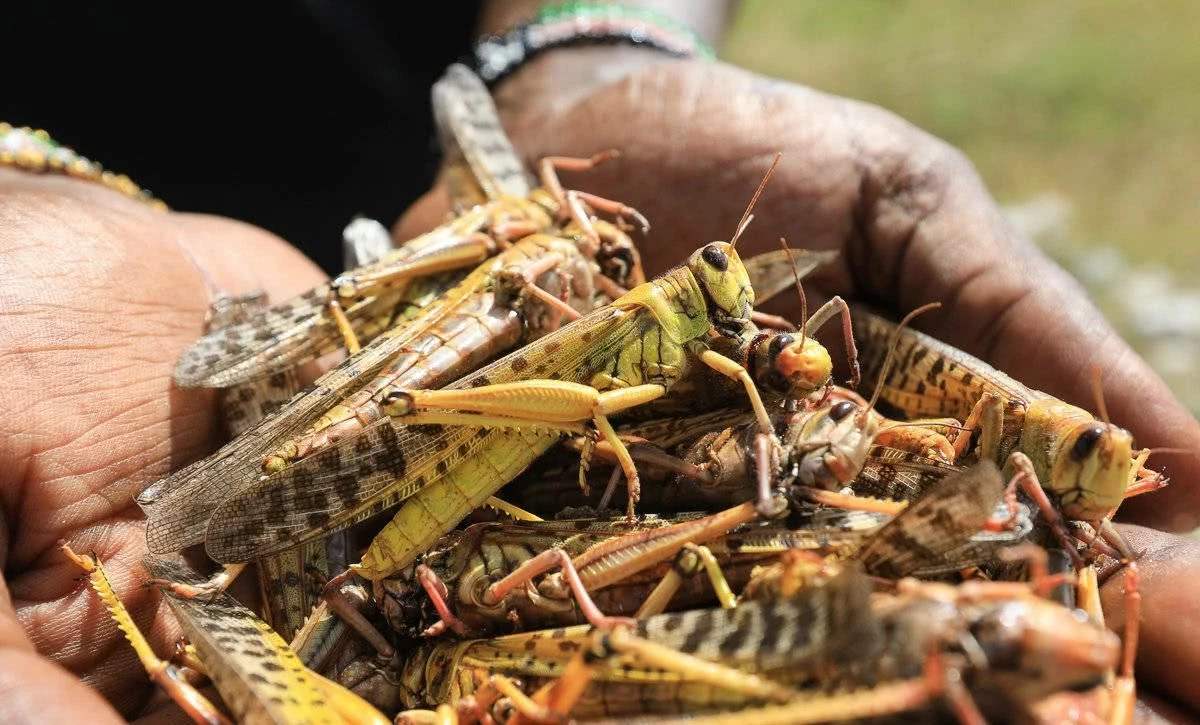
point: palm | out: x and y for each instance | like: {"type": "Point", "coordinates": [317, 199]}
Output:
{"type": "Point", "coordinates": [102, 297]}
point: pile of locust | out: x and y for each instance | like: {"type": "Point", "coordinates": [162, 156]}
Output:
{"type": "Point", "coordinates": [542, 488]}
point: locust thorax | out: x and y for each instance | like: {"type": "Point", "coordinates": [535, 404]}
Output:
{"type": "Point", "coordinates": [1084, 461]}
{"type": "Point", "coordinates": [1034, 647]}
{"type": "Point", "coordinates": [827, 447]}
{"type": "Point", "coordinates": [721, 275]}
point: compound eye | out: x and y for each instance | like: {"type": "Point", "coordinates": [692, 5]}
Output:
{"type": "Point", "coordinates": [716, 257]}
{"type": "Point", "coordinates": [840, 410]}
{"type": "Point", "coordinates": [779, 343]}
{"type": "Point", "coordinates": [1086, 442]}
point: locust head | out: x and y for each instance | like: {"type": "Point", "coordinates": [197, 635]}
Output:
{"type": "Point", "coordinates": [829, 445]}
{"type": "Point", "coordinates": [1091, 469]}
{"type": "Point", "coordinates": [790, 365]}
{"type": "Point", "coordinates": [726, 286]}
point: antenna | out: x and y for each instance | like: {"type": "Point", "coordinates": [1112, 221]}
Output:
{"type": "Point", "coordinates": [891, 354]}
{"type": "Point", "coordinates": [1098, 391]}
{"type": "Point", "coordinates": [746, 216]}
{"type": "Point", "coordinates": [799, 290]}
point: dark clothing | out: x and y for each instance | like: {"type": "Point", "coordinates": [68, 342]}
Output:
{"type": "Point", "coordinates": [294, 116]}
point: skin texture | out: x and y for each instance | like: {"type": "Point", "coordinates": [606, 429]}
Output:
{"type": "Point", "coordinates": [99, 295]}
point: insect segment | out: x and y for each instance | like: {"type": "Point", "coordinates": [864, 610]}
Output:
{"type": "Point", "coordinates": [170, 677]}
{"type": "Point", "coordinates": [1086, 464]}
{"type": "Point", "coordinates": [583, 574]}
{"type": "Point", "coordinates": [486, 428]}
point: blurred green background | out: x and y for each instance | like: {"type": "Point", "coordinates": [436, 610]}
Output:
{"type": "Point", "coordinates": [1081, 116]}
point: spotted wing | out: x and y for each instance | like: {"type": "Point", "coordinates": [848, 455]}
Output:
{"type": "Point", "coordinates": [258, 676]}
{"type": "Point", "coordinates": [280, 338]}
{"type": "Point", "coordinates": [984, 546]}
{"type": "Point", "coordinates": [480, 161]}
{"type": "Point", "coordinates": [929, 378]}
{"type": "Point", "coordinates": [943, 519]}
{"type": "Point", "coordinates": [365, 474]}
{"type": "Point", "coordinates": [178, 506]}
{"type": "Point", "coordinates": [899, 475]}
{"type": "Point", "coordinates": [813, 631]}
{"type": "Point", "coordinates": [771, 272]}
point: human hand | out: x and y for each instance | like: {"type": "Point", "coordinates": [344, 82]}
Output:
{"type": "Point", "coordinates": [100, 294]}
{"type": "Point", "coordinates": [911, 217]}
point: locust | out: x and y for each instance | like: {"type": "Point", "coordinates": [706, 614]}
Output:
{"type": "Point", "coordinates": [259, 678]}
{"type": "Point", "coordinates": [447, 338]}
{"type": "Point", "coordinates": [360, 304]}
{"type": "Point", "coordinates": [1086, 464]}
{"type": "Point", "coordinates": [290, 582]}
{"type": "Point", "coordinates": [450, 450]}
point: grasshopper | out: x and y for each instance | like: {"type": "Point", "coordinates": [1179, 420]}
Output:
{"type": "Point", "coordinates": [359, 304]}
{"type": "Point", "coordinates": [1086, 464]}
{"type": "Point", "coordinates": [441, 342]}
{"type": "Point", "coordinates": [486, 428]}
{"type": "Point", "coordinates": [259, 678]}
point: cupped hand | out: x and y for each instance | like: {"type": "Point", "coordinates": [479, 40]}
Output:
{"type": "Point", "coordinates": [99, 294]}
{"type": "Point", "coordinates": [911, 217]}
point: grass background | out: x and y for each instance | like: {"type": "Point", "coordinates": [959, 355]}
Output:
{"type": "Point", "coordinates": [1083, 113]}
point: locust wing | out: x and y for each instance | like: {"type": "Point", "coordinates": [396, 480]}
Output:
{"type": "Point", "coordinates": [899, 475]}
{"type": "Point", "coordinates": [365, 474]}
{"type": "Point", "coordinates": [814, 630]}
{"type": "Point", "coordinates": [178, 506]}
{"type": "Point", "coordinates": [942, 520]}
{"type": "Point", "coordinates": [479, 161]}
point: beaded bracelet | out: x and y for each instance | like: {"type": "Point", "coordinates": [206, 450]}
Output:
{"type": "Point", "coordinates": [34, 151]}
{"type": "Point", "coordinates": [577, 23]}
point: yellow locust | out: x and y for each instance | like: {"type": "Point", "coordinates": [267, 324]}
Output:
{"type": "Point", "coordinates": [485, 429]}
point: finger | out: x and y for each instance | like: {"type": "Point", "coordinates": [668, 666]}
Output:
{"type": "Point", "coordinates": [34, 690]}
{"type": "Point", "coordinates": [240, 258]}
{"type": "Point", "coordinates": [1169, 651]}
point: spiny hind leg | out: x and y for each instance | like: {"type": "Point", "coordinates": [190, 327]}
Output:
{"type": "Point", "coordinates": [622, 641]}
{"type": "Point", "coordinates": [837, 306]}
{"type": "Point", "coordinates": [171, 678]}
